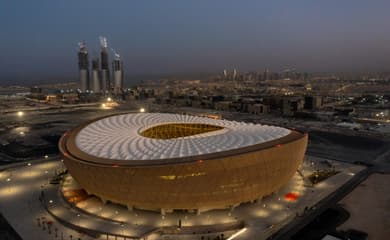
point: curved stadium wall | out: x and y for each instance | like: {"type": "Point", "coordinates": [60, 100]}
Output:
{"type": "Point", "coordinates": [202, 179]}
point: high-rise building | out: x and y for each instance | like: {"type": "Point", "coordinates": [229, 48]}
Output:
{"type": "Point", "coordinates": [234, 74]}
{"type": "Point", "coordinates": [118, 74]}
{"type": "Point", "coordinates": [96, 84]}
{"type": "Point", "coordinates": [105, 71]}
{"type": "Point", "coordinates": [266, 74]}
{"type": "Point", "coordinates": [100, 81]}
{"type": "Point", "coordinates": [225, 74]}
{"type": "Point", "coordinates": [83, 67]}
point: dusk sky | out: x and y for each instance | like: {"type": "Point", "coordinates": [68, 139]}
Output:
{"type": "Point", "coordinates": [39, 38]}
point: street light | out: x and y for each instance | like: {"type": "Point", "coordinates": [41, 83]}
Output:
{"type": "Point", "coordinates": [47, 177]}
{"type": "Point", "coordinates": [122, 228]}
{"type": "Point", "coordinates": [9, 185]}
{"type": "Point", "coordinates": [78, 217]}
{"type": "Point", "coordinates": [29, 169]}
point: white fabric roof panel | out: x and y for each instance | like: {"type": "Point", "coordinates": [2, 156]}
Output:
{"type": "Point", "coordinates": [117, 137]}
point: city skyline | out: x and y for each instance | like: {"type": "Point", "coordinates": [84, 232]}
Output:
{"type": "Point", "coordinates": [217, 120]}
{"type": "Point", "coordinates": [163, 38]}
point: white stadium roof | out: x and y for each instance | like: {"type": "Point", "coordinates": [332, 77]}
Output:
{"type": "Point", "coordinates": [117, 137]}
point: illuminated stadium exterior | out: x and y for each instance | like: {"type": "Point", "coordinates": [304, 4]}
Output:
{"type": "Point", "coordinates": [165, 162]}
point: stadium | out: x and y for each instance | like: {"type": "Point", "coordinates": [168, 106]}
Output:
{"type": "Point", "coordinates": [166, 162]}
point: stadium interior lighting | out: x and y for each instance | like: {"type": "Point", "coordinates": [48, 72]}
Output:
{"type": "Point", "coordinates": [175, 130]}
{"type": "Point", "coordinates": [142, 110]}
{"type": "Point", "coordinates": [20, 114]}
{"type": "Point", "coordinates": [109, 99]}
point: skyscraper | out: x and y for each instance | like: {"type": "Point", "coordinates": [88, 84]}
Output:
{"type": "Point", "coordinates": [105, 74]}
{"type": "Point", "coordinates": [83, 67]}
{"type": "Point", "coordinates": [118, 74]}
{"type": "Point", "coordinates": [234, 74]}
{"type": "Point", "coordinates": [266, 74]}
{"type": "Point", "coordinates": [225, 74]}
{"type": "Point", "coordinates": [96, 85]}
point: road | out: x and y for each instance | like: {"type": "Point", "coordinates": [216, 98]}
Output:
{"type": "Point", "coordinates": [300, 222]}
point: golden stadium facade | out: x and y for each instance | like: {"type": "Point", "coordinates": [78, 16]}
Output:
{"type": "Point", "coordinates": [166, 162]}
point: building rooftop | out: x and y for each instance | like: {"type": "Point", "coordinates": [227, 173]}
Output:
{"type": "Point", "coordinates": [156, 136]}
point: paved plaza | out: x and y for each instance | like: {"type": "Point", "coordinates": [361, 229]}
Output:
{"type": "Point", "coordinates": [58, 217]}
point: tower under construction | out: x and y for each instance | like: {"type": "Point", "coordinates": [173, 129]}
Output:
{"type": "Point", "coordinates": [105, 71]}
{"type": "Point", "coordinates": [118, 74]}
{"type": "Point", "coordinates": [83, 67]}
{"type": "Point", "coordinates": [96, 84]}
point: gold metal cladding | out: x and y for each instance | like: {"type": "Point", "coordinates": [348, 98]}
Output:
{"type": "Point", "coordinates": [211, 181]}
{"type": "Point", "coordinates": [177, 130]}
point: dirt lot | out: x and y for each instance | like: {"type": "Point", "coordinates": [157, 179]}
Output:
{"type": "Point", "coordinates": [344, 147]}
{"type": "Point", "coordinates": [369, 207]}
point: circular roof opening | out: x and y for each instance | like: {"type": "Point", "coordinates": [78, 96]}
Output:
{"type": "Point", "coordinates": [178, 130]}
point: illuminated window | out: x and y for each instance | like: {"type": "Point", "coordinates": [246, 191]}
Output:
{"type": "Point", "coordinates": [170, 177]}
{"type": "Point", "coordinates": [173, 177]}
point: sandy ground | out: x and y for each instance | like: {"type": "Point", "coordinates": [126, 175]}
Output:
{"type": "Point", "coordinates": [369, 206]}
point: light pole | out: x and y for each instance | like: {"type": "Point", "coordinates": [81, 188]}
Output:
{"type": "Point", "coordinates": [123, 231]}
{"type": "Point", "coordinates": [9, 184]}
{"type": "Point", "coordinates": [20, 115]}
{"type": "Point", "coordinates": [29, 169]}
{"type": "Point", "coordinates": [47, 177]}
{"type": "Point", "coordinates": [78, 219]}
{"type": "Point", "coordinates": [63, 165]}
